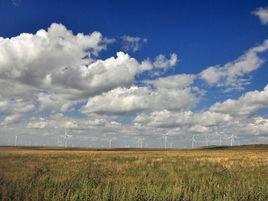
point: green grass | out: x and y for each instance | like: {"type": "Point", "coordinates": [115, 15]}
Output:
{"type": "Point", "coordinates": [27, 174]}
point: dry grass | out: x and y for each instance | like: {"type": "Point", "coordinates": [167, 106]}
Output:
{"type": "Point", "coordinates": [27, 174]}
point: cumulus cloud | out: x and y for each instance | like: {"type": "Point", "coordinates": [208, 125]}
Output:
{"type": "Point", "coordinates": [179, 81]}
{"type": "Point", "coordinates": [58, 68]}
{"type": "Point", "coordinates": [257, 126]}
{"type": "Point", "coordinates": [95, 123]}
{"type": "Point", "coordinates": [34, 62]}
{"type": "Point", "coordinates": [199, 129]}
{"type": "Point", "coordinates": [55, 73]}
{"type": "Point", "coordinates": [47, 50]}
{"type": "Point", "coordinates": [54, 121]}
{"type": "Point", "coordinates": [133, 44]}
{"type": "Point", "coordinates": [232, 74]}
{"type": "Point", "coordinates": [34, 59]}
{"type": "Point", "coordinates": [247, 104]}
{"type": "Point", "coordinates": [37, 124]}
{"type": "Point", "coordinates": [53, 102]}
{"type": "Point", "coordinates": [187, 119]}
{"type": "Point", "coordinates": [162, 62]}
{"type": "Point", "coordinates": [172, 93]}
{"type": "Point", "coordinates": [11, 110]}
{"type": "Point", "coordinates": [262, 13]}
{"type": "Point", "coordinates": [133, 99]}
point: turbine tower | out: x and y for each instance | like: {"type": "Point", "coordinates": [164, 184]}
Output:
{"type": "Point", "coordinates": [166, 138]}
{"type": "Point", "coordinates": [16, 140]}
{"type": "Point", "coordinates": [207, 140]}
{"type": "Point", "coordinates": [110, 143]}
{"type": "Point", "coordinates": [232, 138]}
{"type": "Point", "coordinates": [140, 142]}
{"type": "Point", "coordinates": [220, 140]}
{"type": "Point", "coordinates": [66, 136]}
{"type": "Point", "coordinates": [193, 141]}
{"type": "Point", "coordinates": [59, 141]}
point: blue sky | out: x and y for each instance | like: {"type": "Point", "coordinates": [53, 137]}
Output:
{"type": "Point", "coordinates": [200, 34]}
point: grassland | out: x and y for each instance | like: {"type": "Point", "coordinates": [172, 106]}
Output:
{"type": "Point", "coordinates": [208, 174]}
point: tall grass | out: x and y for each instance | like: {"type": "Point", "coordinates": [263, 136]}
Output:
{"type": "Point", "coordinates": [133, 175]}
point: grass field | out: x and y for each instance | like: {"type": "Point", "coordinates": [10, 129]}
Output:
{"type": "Point", "coordinates": [208, 174]}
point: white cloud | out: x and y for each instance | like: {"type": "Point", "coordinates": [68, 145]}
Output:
{"type": "Point", "coordinates": [262, 13]}
{"type": "Point", "coordinates": [32, 58]}
{"type": "Point", "coordinates": [212, 75]}
{"type": "Point", "coordinates": [232, 74]}
{"type": "Point", "coordinates": [119, 100]}
{"type": "Point", "coordinates": [187, 119]}
{"type": "Point", "coordinates": [53, 103]}
{"type": "Point", "coordinates": [171, 93]}
{"type": "Point", "coordinates": [104, 75]}
{"type": "Point", "coordinates": [55, 71]}
{"type": "Point", "coordinates": [57, 68]}
{"type": "Point", "coordinates": [11, 119]}
{"type": "Point", "coordinates": [247, 104]}
{"type": "Point", "coordinates": [179, 81]}
{"type": "Point", "coordinates": [59, 121]}
{"type": "Point", "coordinates": [257, 126]}
{"type": "Point", "coordinates": [39, 62]}
{"type": "Point", "coordinates": [122, 100]}
{"type": "Point", "coordinates": [199, 129]}
{"type": "Point", "coordinates": [55, 121]}
{"type": "Point", "coordinates": [132, 43]}
{"type": "Point", "coordinates": [11, 110]}
{"type": "Point", "coordinates": [37, 124]}
{"type": "Point", "coordinates": [46, 51]}
{"type": "Point", "coordinates": [162, 62]}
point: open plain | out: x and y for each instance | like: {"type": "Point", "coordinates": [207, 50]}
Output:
{"type": "Point", "coordinates": [133, 174]}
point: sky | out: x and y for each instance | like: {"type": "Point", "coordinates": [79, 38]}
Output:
{"type": "Point", "coordinates": [133, 73]}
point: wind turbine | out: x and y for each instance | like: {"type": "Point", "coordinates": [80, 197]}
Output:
{"type": "Point", "coordinates": [16, 140]}
{"type": "Point", "coordinates": [232, 137]}
{"type": "Point", "coordinates": [220, 140]}
{"type": "Point", "coordinates": [140, 142]}
{"type": "Point", "coordinates": [59, 141]}
{"type": "Point", "coordinates": [193, 141]}
{"type": "Point", "coordinates": [109, 138]}
{"type": "Point", "coordinates": [166, 138]}
{"type": "Point", "coordinates": [207, 140]}
{"type": "Point", "coordinates": [222, 137]}
{"type": "Point", "coordinates": [110, 143]}
{"type": "Point", "coordinates": [66, 136]}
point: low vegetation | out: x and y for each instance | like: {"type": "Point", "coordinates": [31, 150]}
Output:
{"type": "Point", "coordinates": [191, 175]}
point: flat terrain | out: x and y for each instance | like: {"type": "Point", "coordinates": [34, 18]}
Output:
{"type": "Point", "coordinates": [239, 173]}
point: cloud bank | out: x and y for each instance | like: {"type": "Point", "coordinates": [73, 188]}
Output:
{"type": "Point", "coordinates": [55, 79]}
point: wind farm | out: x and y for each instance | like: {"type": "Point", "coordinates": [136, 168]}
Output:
{"type": "Point", "coordinates": [123, 173]}
{"type": "Point", "coordinates": [145, 100]}
{"type": "Point", "coordinates": [206, 170]}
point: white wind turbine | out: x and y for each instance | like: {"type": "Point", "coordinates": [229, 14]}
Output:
{"type": "Point", "coordinates": [140, 141]}
{"type": "Point", "coordinates": [110, 143]}
{"type": "Point", "coordinates": [232, 138]}
{"type": "Point", "coordinates": [207, 143]}
{"type": "Point", "coordinates": [16, 140]}
{"type": "Point", "coordinates": [220, 134]}
{"type": "Point", "coordinates": [220, 140]}
{"type": "Point", "coordinates": [59, 141]}
{"type": "Point", "coordinates": [165, 140]}
{"type": "Point", "coordinates": [193, 141]}
{"type": "Point", "coordinates": [109, 138]}
{"type": "Point", "coordinates": [66, 136]}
